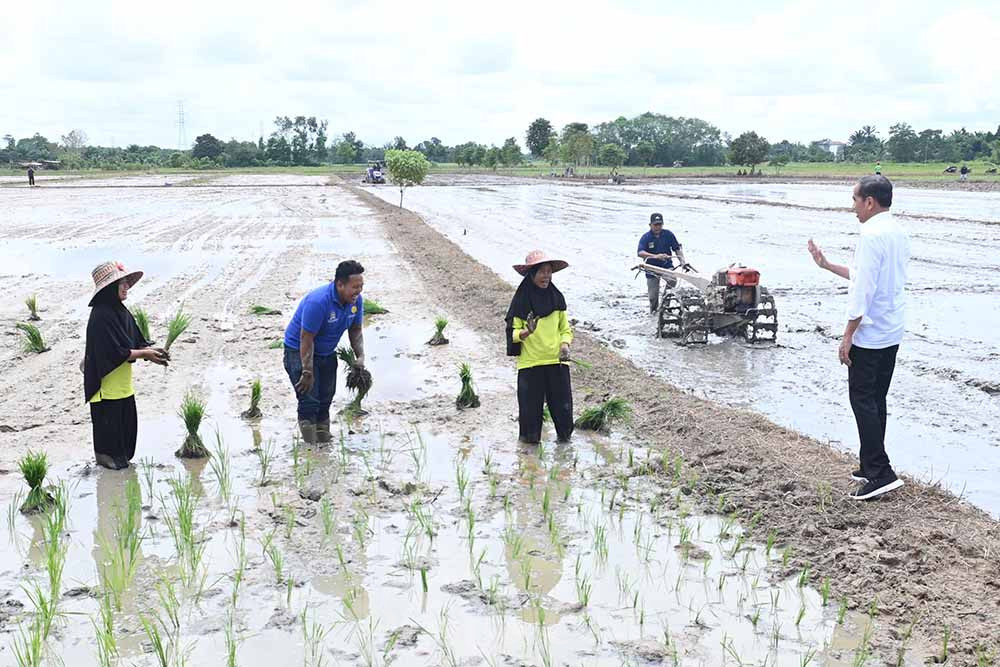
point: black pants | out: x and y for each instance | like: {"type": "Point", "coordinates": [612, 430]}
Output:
{"type": "Point", "coordinates": [868, 379]}
{"type": "Point", "coordinates": [540, 385]}
{"type": "Point", "coordinates": [115, 427]}
{"type": "Point", "coordinates": [31, 179]}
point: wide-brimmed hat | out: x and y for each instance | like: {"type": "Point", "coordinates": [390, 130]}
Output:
{"type": "Point", "coordinates": [536, 257]}
{"type": "Point", "coordinates": [111, 272]}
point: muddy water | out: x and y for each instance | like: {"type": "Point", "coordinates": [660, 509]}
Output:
{"type": "Point", "coordinates": [507, 559]}
{"type": "Point", "coordinates": [945, 417]}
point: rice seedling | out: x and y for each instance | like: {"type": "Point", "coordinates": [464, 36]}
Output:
{"type": "Point", "coordinates": [801, 615]}
{"type": "Point", "coordinates": [359, 379]}
{"type": "Point", "coordinates": [373, 307]}
{"type": "Point", "coordinates": [32, 303]}
{"type": "Point", "coordinates": [842, 611]}
{"type": "Point", "coordinates": [824, 590]}
{"type": "Point", "coordinates": [448, 656]}
{"type": "Point", "coordinates": [255, 395]}
{"type": "Point", "coordinates": [232, 640]}
{"type": "Point", "coordinates": [461, 478]}
{"type": "Point", "coordinates": [803, 577]}
{"type": "Point", "coordinates": [219, 462]}
{"type": "Point", "coordinates": [104, 632]}
{"type": "Point", "coordinates": [263, 310]}
{"type": "Point", "coordinates": [33, 340]}
{"type": "Point", "coordinates": [45, 609]}
{"type": "Point", "coordinates": [467, 397]}
{"type": "Point", "coordinates": [326, 514]}
{"type": "Point", "coordinates": [28, 644]}
{"type": "Point", "coordinates": [241, 562]}
{"type": "Point", "coordinates": [276, 344]}
{"type": "Point", "coordinates": [177, 325]}
{"type": "Point", "coordinates": [142, 321]}
{"type": "Point", "coordinates": [438, 337]}
{"type": "Point", "coordinates": [945, 638]}
{"type": "Point", "coordinates": [148, 474]}
{"type": "Point", "coordinates": [313, 634]}
{"type": "Point", "coordinates": [806, 658]}
{"type": "Point", "coordinates": [121, 550]}
{"type": "Point", "coordinates": [601, 417]}
{"type": "Point", "coordinates": [34, 466]}
{"type": "Point", "coordinates": [179, 519]}
{"type": "Point", "coordinates": [192, 412]}
{"type": "Point", "coordinates": [265, 455]}
{"type": "Point", "coordinates": [277, 560]}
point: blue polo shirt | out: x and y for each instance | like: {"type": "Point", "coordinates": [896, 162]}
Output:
{"type": "Point", "coordinates": [321, 313]}
{"type": "Point", "coordinates": [666, 243]}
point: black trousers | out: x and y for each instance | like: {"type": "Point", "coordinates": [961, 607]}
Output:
{"type": "Point", "coordinates": [868, 379]}
{"type": "Point", "coordinates": [115, 427]}
{"type": "Point", "coordinates": [540, 385]}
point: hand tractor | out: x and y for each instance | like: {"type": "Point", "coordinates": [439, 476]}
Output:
{"type": "Point", "coordinates": [731, 302]}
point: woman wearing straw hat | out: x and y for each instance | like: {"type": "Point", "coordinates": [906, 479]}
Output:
{"type": "Point", "coordinates": [113, 344]}
{"type": "Point", "coordinates": [538, 334]}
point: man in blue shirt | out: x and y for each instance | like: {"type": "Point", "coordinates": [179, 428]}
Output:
{"type": "Point", "coordinates": [655, 247]}
{"type": "Point", "coordinates": [311, 340]}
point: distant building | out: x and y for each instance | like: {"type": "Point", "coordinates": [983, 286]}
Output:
{"type": "Point", "coordinates": [835, 148]}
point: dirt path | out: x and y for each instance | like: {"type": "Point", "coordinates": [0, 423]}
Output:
{"type": "Point", "coordinates": [920, 556]}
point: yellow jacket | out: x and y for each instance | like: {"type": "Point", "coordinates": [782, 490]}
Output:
{"type": "Point", "coordinates": [541, 348]}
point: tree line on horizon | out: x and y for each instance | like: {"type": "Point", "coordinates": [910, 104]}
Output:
{"type": "Point", "coordinates": [649, 139]}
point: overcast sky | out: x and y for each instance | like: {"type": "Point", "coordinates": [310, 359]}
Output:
{"type": "Point", "coordinates": [483, 71]}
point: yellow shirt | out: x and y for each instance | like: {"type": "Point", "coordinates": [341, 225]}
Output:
{"type": "Point", "coordinates": [542, 347]}
{"type": "Point", "coordinates": [115, 385]}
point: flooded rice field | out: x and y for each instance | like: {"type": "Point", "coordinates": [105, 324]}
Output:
{"type": "Point", "coordinates": [944, 406]}
{"type": "Point", "coordinates": [422, 535]}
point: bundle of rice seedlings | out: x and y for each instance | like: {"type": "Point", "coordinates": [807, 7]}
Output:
{"type": "Point", "coordinates": [32, 303]}
{"type": "Point", "coordinates": [359, 380]}
{"type": "Point", "coordinates": [263, 310]}
{"type": "Point", "coordinates": [255, 394]}
{"type": "Point", "coordinates": [373, 307]}
{"type": "Point", "coordinates": [276, 344]}
{"type": "Point", "coordinates": [177, 325]}
{"type": "Point", "coordinates": [33, 341]}
{"type": "Point", "coordinates": [601, 417]}
{"type": "Point", "coordinates": [142, 321]}
{"type": "Point", "coordinates": [467, 397]}
{"type": "Point", "coordinates": [34, 466]}
{"type": "Point", "coordinates": [192, 412]}
{"type": "Point", "coordinates": [438, 338]}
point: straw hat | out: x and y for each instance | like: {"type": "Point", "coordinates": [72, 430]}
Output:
{"type": "Point", "coordinates": [111, 272]}
{"type": "Point", "coordinates": [536, 257]}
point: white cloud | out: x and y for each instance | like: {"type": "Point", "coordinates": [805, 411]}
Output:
{"type": "Point", "coordinates": [462, 71]}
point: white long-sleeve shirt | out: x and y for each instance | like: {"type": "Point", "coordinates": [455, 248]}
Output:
{"type": "Point", "coordinates": [878, 282]}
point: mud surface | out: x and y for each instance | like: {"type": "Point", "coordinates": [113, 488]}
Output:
{"type": "Point", "coordinates": [647, 545]}
{"type": "Point", "coordinates": [945, 415]}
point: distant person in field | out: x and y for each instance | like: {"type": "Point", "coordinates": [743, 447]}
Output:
{"type": "Point", "coordinates": [656, 247]}
{"type": "Point", "coordinates": [311, 340]}
{"type": "Point", "coordinates": [31, 176]}
{"type": "Point", "coordinates": [113, 344]}
{"type": "Point", "coordinates": [963, 173]}
{"type": "Point", "coordinates": [875, 325]}
{"type": "Point", "coordinates": [878, 168]}
{"type": "Point", "coordinates": [539, 335]}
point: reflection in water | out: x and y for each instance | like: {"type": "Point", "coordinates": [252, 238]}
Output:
{"type": "Point", "coordinates": [532, 551]}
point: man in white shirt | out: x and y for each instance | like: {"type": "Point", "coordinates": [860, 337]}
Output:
{"type": "Point", "coordinates": [874, 325]}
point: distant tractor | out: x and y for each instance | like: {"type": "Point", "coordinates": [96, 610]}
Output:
{"type": "Point", "coordinates": [731, 302]}
{"type": "Point", "coordinates": [375, 173]}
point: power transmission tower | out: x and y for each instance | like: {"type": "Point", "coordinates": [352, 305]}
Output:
{"type": "Point", "coordinates": [181, 138]}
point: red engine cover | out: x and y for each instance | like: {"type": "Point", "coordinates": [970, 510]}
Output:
{"type": "Point", "coordinates": [742, 277]}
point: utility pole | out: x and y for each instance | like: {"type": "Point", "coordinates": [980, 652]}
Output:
{"type": "Point", "coordinates": [181, 138]}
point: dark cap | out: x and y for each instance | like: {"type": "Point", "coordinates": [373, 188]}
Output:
{"type": "Point", "coordinates": [656, 219]}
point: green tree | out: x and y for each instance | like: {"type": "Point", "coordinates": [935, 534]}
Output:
{"type": "Point", "coordinates": [406, 168]}
{"type": "Point", "coordinates": [611, 155]}
{"type": "Point", "coordinates": [206, 146]}
{"type": "Point", "coordinates": [538, 137]}
{"type": "Point", "coordinates": [778, 162]}
{"type": "Point", "coordinates": [492, 157]}
{"type": "Point", "coordinates": [552, 151]}
{"type": "Point", "coordinates": [577, 143]}
{"type": "Point", "coordinates": [399, 144]}
{"type": "Point", "coordinates": [864, 145]}
{"type": "Point", "coordinates": [748, 150]}
{"type": "Point", "coordinates": [510, 154]}
{"type": "Point", "coordinates": [644, 153]}
{"type": "Point", "coordinates": [903, 143]}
